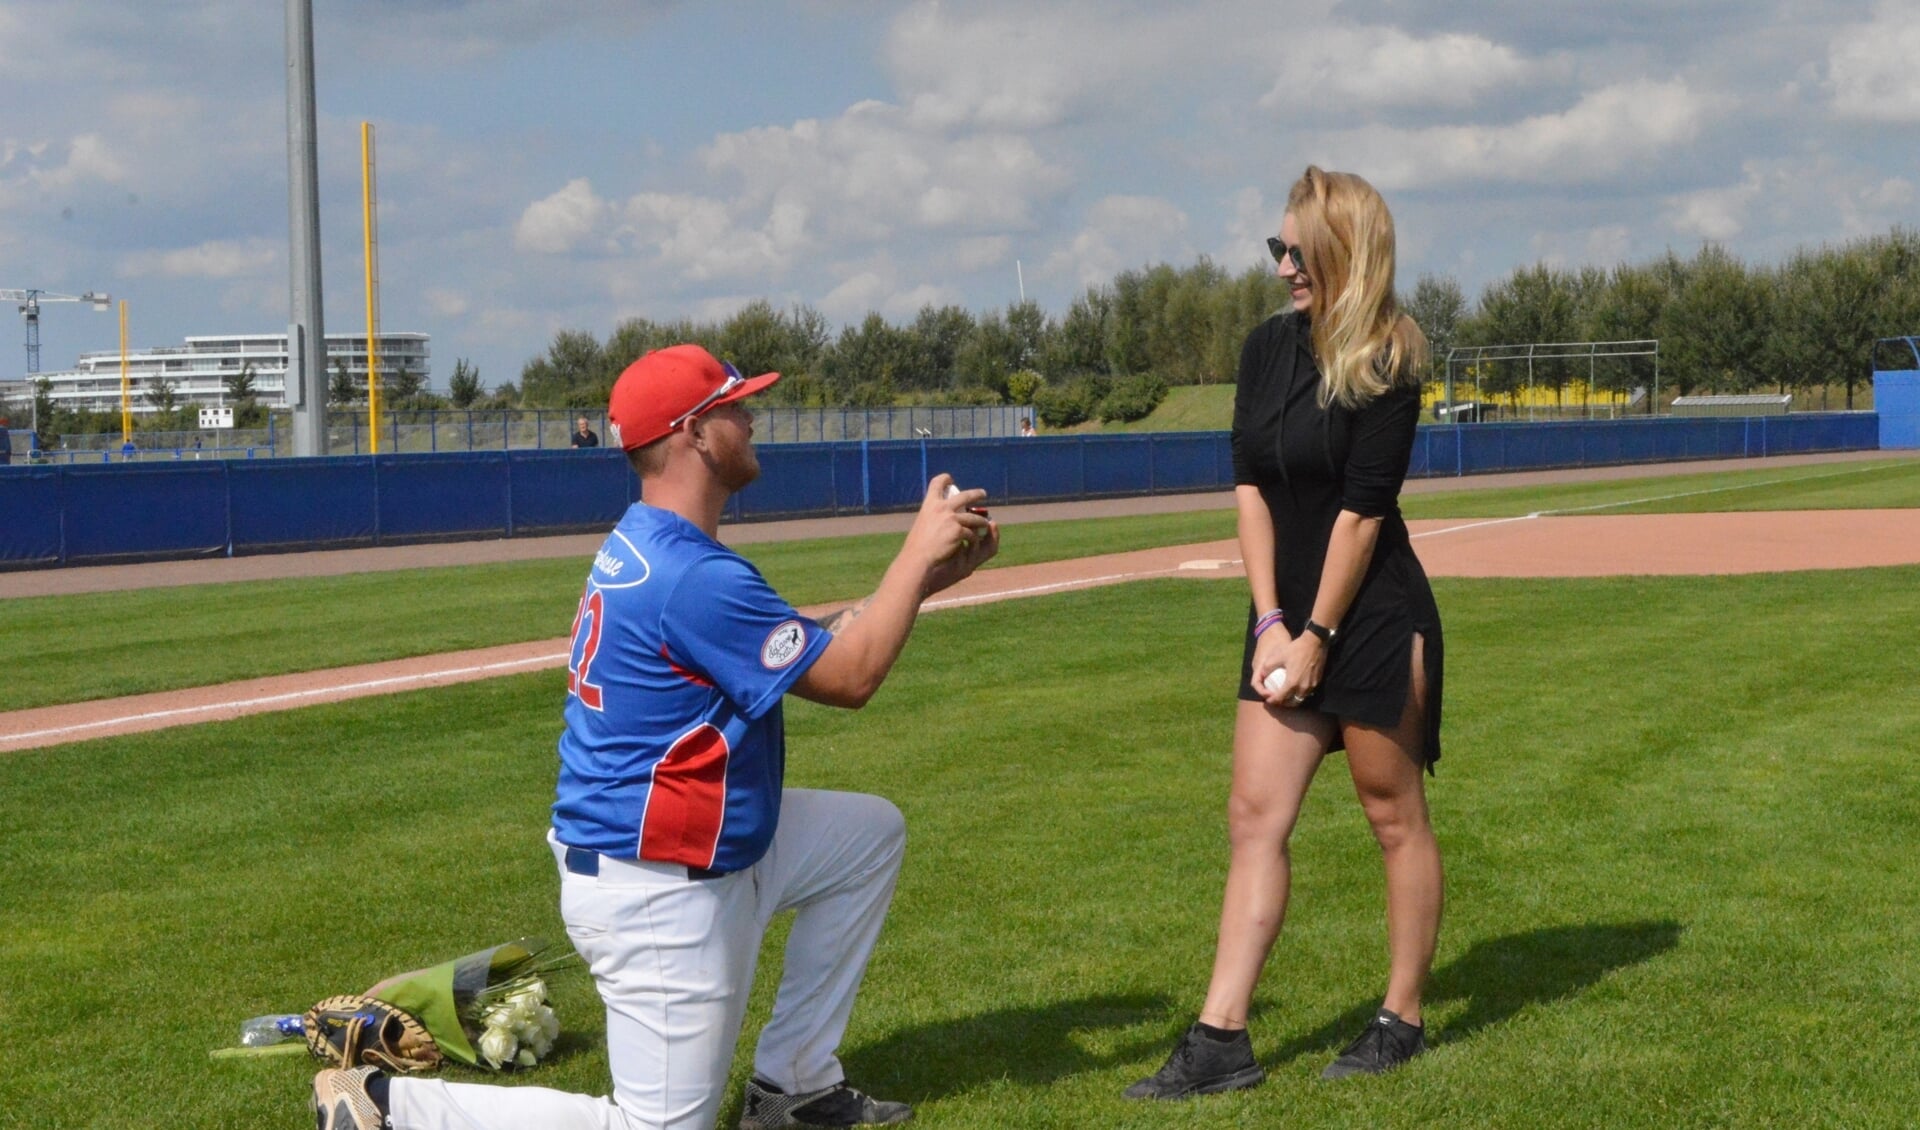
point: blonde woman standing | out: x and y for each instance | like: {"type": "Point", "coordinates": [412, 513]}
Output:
{"type": "Point", "coordinates": [1342, 646]}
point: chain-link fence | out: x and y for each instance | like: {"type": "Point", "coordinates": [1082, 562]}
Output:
{"type": "Point", "coordinates": [504, 430]}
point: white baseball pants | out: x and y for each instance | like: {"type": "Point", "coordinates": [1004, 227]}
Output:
{"type": "Point", "coordinates": [674, 959]}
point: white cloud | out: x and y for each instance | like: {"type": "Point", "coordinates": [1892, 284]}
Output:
{"type": "Point", "coordinates": [445, 303]}
{"type": "Point", "coordinates": [466, 30]}
{"type": "Point", "coordinates": [1609, 244]}
{"type": "Point", "coordinates": [34, 167]}
{"type": "Point", "coordinates": [855, 295]}
{"type": "Point", "coordinates": [214, 259]}
{"type": "Point", "coordinates": [560, 222]}
{"type": "Point", "coordinates": [1001, 70]}
{"type": "Point", "coordinates": [1871, 67]}
{"type": "Point", "coordinates": [1714, 213]}
{"type": "Point", "coordinates": [980, 252]}
{"type": "Point", "coordinates": [1608, 131]}
{"type": "Point", "coordinates": [700, 236]}
{"type": "Point", "coordinates": [1251, 220]}
{"type": "Point", "coordinates": [776, 193]}
{"type": "Point", "coordinates": [1359, 67]}
{"type": "Point", "coordinates": [1121, 232]}
{"type": "Point", "coordinates": [1870, 206]}
{"type": "Point", "coordinates": [872, 171]}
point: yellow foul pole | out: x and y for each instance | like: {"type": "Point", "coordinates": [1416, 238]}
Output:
{"type": "Point", "coordinates": [126, 382]}
{"type": "Point", "coordinates": [367, 220]}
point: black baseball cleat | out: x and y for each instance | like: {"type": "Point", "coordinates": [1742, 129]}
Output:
{"type": "Point", "coordinates": [1202, 1065]}
{"type": "Point", "coordinates": [768, 1107]}
{"type": "Point", "coordinates": [1387, 1043]}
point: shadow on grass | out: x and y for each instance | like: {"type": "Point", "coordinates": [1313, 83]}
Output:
{"type": "Point", "coordinates": [1036, 1044]}
{"type": "Point", "coordinates": [1500, 976]}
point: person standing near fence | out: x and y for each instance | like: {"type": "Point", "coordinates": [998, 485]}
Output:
{"type": "Point", "coordinates": [6, 443]}
{"type": "Point", "coordinates": [674, 838]}
{"type": "Point", "coordinates": [584, 436]}
{"type": "Point", "coordinates": [1342, 645]}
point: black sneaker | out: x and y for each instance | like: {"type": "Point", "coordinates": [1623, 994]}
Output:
{"type": "Point", "coordinates": [839, 1105]}
{"type": "Point", "coordinates": [1201, 1065]}
{"type": "Point", "coordinates": [1387, 1043]}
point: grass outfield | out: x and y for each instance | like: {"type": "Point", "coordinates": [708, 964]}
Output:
{"type": "Point", "coordinates": [101, 645]}
{"type": "Point", "coordinates": [1870, 485]}
{"type": "Point", "coordinates": [1679, 871]}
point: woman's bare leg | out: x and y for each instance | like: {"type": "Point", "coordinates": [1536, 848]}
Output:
{"type": "Point", "coordinates": [1275, 754]}
{"type": "Point", "coordinates": [1387, 768]}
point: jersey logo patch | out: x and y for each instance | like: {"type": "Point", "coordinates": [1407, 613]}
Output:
{"type": "Point", "coordinates": [784, 645]}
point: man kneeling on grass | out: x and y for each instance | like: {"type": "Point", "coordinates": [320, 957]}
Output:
{"type": "Point", "coordinates": [673, 836]}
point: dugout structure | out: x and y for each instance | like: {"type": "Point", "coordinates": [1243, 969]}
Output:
{"type": "Point", "coordinates": [1517, 371]}
{"type": "Point", "coordinates": [1896, 390]}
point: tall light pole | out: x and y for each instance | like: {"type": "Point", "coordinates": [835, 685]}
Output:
{"type": "Point", "coordinates": [306, 382]}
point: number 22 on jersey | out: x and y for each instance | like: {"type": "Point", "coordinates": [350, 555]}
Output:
{"type": "Point", "coordinates": [588, 616]}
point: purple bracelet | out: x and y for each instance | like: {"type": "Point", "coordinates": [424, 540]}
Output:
{"type": "Point", "coordinates": [1261, 625]}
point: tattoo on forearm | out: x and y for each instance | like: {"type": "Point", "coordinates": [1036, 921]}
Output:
{"type": "Point", "coordinates": [839, 620]}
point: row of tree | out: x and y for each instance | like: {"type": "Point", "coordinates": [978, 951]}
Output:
{"type": "Point", "coordinates": [1723, 326]}
{"type": "Point", "coordinates": [1116, 349]}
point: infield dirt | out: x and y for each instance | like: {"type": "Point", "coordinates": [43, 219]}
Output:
{"type": "Point", "coordinates": [1532, 546]}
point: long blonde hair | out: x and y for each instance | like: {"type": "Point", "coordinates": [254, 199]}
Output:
{"type": "Point", "coordinates": [1364, 344]}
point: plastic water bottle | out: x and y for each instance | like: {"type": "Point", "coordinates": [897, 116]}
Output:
{"type": "Point", "coordinates": [264, 1031]}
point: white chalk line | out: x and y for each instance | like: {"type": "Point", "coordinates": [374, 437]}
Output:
{"type": "Point", "coordinates": [1030, 590]}
{"type": "Point", "coordinates": [1473, 526]}
{"type": "Point", "coordinates": [1649, 498]}
{"type": "Point", "coordinates": [395, 682]}
{"type": "Point", "coordinates": [349, 689]}
{"type": "Point", "coordinates": [1715, 490]}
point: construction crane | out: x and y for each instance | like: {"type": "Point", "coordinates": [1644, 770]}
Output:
{"type": "Point", "coordinates": [30, 301]}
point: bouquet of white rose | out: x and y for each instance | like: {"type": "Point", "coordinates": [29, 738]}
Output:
{"type": "Point", "coordinates": [518, 1029]}
{"type": "Point", "coordinates": [488, 1008]}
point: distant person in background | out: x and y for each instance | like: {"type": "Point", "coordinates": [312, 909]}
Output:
{"type": "Point", "coordinates": [6, 443]}
{"type": "Point", "coordinates": [583, 435]}
{"type": "Point", "coordinates": [1026, 426]}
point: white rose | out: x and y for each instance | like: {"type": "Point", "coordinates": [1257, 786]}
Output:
{"type": "Point", "coordinates": [497, 1046]}
{"type": "Point", "coordinates": [549, 1023]}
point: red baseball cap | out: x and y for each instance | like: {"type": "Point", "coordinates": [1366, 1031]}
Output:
{"type": "Point", "coordinates": [659, 392]}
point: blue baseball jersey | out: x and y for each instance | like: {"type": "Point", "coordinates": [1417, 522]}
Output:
{"type": "Point", "coordinates": [674, 748]}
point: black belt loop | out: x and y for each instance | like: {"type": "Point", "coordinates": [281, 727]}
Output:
{"type": "Point", "coordinates": [580, 861]}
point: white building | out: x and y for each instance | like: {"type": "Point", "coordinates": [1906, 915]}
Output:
{"type": "Point", "coordinates": [198, 371]}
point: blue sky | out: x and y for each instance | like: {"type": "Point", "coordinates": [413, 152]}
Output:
{"type": "Point", "coordinates": [572, 163]}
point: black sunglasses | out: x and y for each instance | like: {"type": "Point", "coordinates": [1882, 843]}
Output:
{"type": "Point", "coordinates": [1281, 253]}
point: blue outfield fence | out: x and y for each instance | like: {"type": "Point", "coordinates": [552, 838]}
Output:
{"type": "Point", "coordinates": [84, 513]}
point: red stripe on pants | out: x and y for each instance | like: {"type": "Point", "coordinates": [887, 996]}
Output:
{"type": "Point", "coordinates": [688, 801]}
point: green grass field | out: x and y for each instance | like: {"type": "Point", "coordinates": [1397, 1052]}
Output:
{"type": "Point", "coordinates": [106, 644]}
{"type": "Point", "coordinates": [1679, 857]}
{"type": "Point", "coordinates": [1862, 485]}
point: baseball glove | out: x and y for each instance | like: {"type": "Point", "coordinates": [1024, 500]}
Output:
{"type": "Point", "coordinates": [351, 1031]}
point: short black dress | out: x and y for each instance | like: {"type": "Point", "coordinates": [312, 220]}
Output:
{"type": "Point", "coordinates": [1309, 464]}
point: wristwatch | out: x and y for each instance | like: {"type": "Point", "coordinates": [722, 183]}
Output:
{"type": "Point", "coordinates": [1325, 633]}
